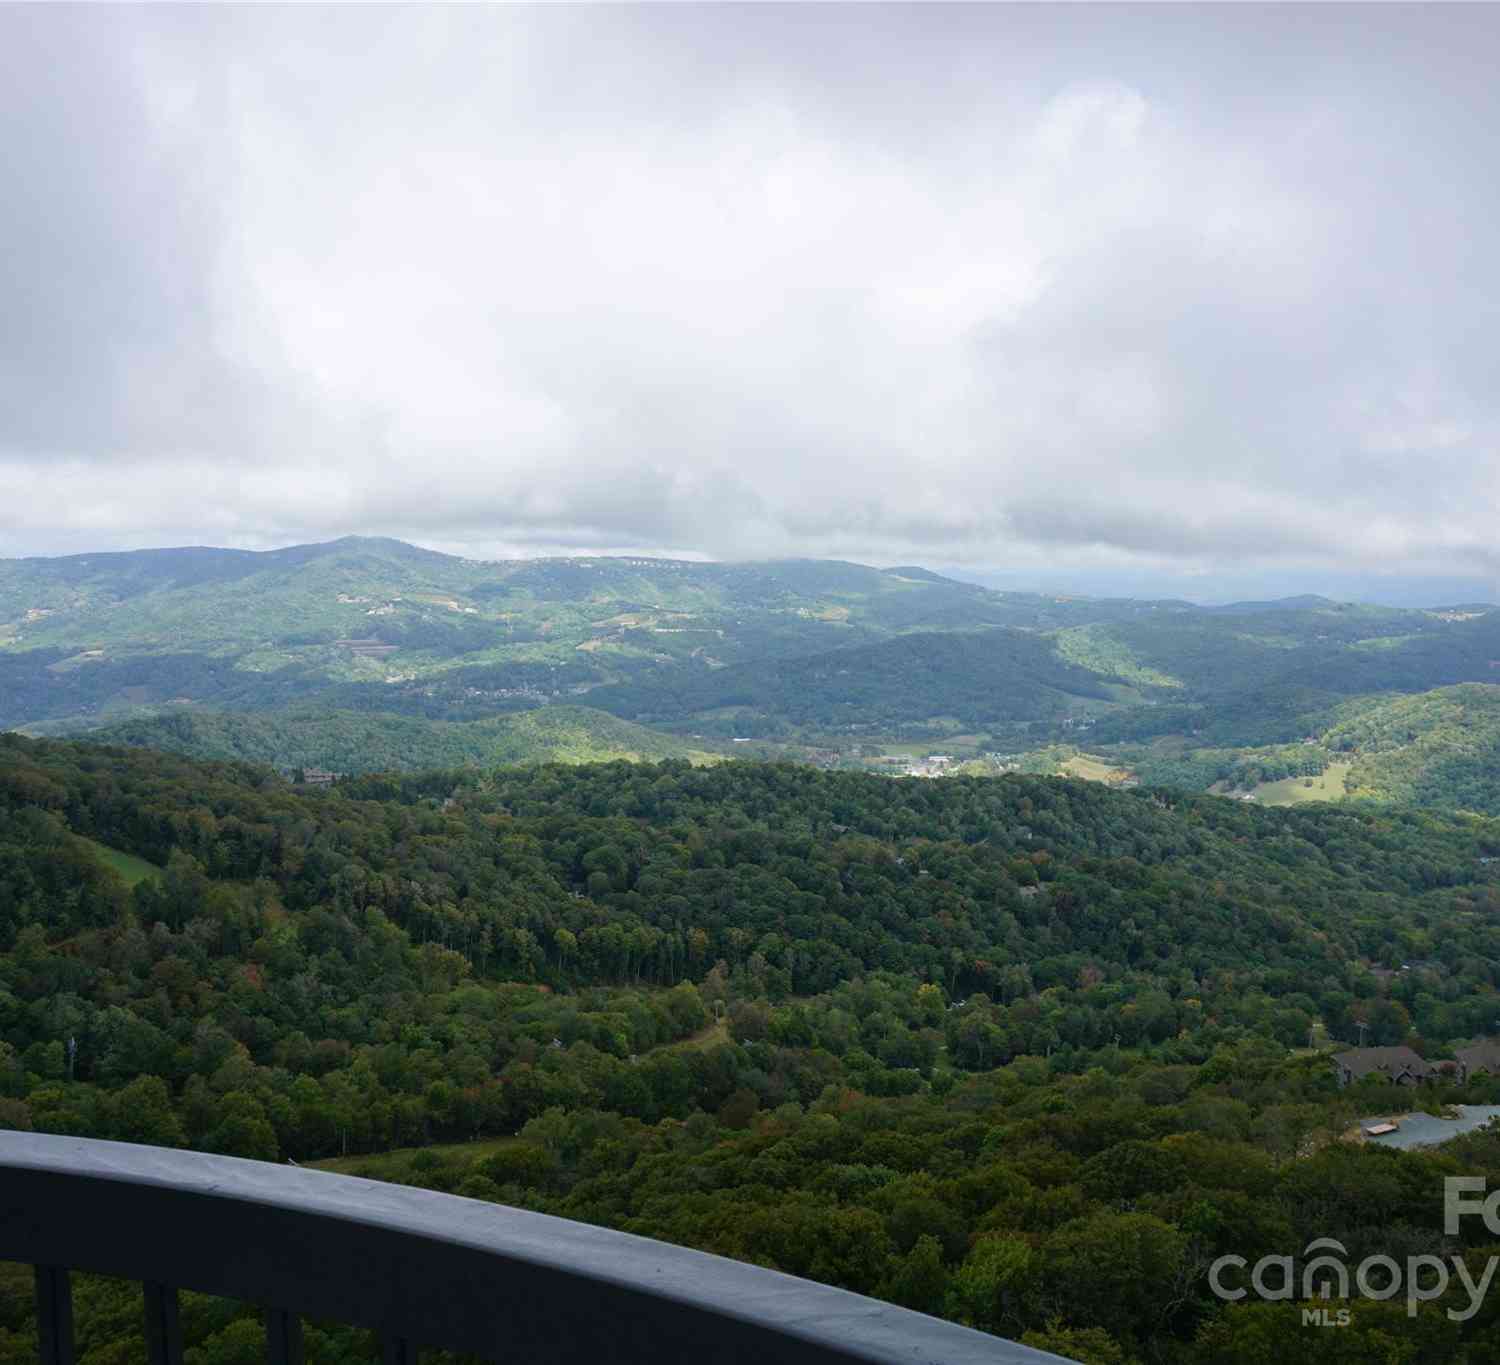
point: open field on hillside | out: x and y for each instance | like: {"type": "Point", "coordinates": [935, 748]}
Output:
{"type": "Point", "coordinates": [1291, 791]}
{"type": "Point", "coordinates": [710, 1036]}
{"type": "Point", "coordinates": [131, 868]}
{"type": "Point", "coordinates": [1093, 768]}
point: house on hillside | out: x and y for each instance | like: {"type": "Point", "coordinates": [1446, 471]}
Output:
{"type": "Point", "coordinates": [1399, 1065]}
{"type": "Point", "coordinates": [1479, 1057]}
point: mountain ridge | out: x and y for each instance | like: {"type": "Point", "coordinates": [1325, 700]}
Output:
{"type": "Point", "coordinates": [828, 659]}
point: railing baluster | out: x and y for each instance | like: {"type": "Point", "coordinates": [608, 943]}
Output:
{"type": "Point", "coordinates": [408, 1266]}
{"type": "Point", "coordinates": [163, 1325]}
{"type": "Point", "coordinates": [54, 1315]}
{"type": "Point", "coordinates": [283, 1337]}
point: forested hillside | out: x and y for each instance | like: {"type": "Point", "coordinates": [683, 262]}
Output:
{"type": "Point", "coordinates": [379, 625]}
{"type": "Point", "coordinates": [980, 679]}
{"type": "Point", "coordinates": [355, 741]}
{"type": "Point", "coordinates": [822, 658]}
{"type": "Point", "coordinates": [976, 1045]}
{"type": "Point", "coordinates": [1438, 749]}
{"type": "Point", "coordinates": [1272, 676]}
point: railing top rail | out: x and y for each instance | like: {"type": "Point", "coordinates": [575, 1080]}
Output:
{"type": "Point", "coordinates": [436, 1268]}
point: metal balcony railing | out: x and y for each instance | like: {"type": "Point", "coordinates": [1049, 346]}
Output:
{"type": "Point", "coordinates": [421, 1269]}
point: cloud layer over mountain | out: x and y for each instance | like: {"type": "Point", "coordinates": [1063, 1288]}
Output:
{"type": "Point", "coordinates": [1194, 290]}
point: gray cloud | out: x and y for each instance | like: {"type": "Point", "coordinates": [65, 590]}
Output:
{"type": "Point", "coordinates": [1185, 293]}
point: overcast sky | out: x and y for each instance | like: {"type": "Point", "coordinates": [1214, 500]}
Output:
{"type": "Point", "coordinates": [1189, 299]}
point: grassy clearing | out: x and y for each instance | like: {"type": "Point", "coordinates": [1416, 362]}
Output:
{"type": "Point", "coordinates": [711, 1036]}
{"type": "Point", "coordinates": [1322, 1040]}
{"type": "Point", "coordinates": [131, 868]}
{"type": "Point", "coordinates": [1291, 791]}
{"type": "Point", "coordinates": [1092, 768]}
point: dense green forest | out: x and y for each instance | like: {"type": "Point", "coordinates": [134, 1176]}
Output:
{"type": "Point", "coordinates": [980, 679]}
{"type": "Point", "coordinates": [1020, 1051]}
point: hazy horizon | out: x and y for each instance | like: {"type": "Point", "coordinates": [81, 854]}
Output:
{"type": "Point", "coordinates": [1415, 594]}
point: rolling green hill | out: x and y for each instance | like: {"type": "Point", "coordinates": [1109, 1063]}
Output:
{"type": "Point", "coordinates": [368, 652]}
{"type": "Point", "coordinates": [1438, 749]}
{"type": "Point", "coordinates": [354, 742]}
{"type": "Point", "coordinates": [976, 679]}
{"type": "Point", "coordinates": [295, 599]}
{"type": "Point", "coordinates": [1272, 675]}
{"type": "Point", "coordinates": [376, 625]}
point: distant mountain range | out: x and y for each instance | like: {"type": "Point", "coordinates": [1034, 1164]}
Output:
{"type": "Point", "coordinates": [369, 653]}
{"type": "Point", "coordinates": [366, 624]}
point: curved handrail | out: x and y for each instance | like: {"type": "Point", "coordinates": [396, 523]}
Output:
{"type": "Point", "coordinates": [437, 1269]}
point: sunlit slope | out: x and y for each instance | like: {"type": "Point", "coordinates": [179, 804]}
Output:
{"type": "Point", "coordinates": [1439, 749]}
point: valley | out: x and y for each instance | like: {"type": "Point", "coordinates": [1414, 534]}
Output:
{"type": "Point", "coordinates": [364, 654]}
{"type": "Point", "coordinates": [929, 941]}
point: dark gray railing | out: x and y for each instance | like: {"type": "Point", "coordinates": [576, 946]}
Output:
{"type": "Point", "coordinates": [421, 1269]}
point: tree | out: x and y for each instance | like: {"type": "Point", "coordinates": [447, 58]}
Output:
{"type": "Point", "coordinates": [626, 1092]}
{"type": "Point", "coordinates": [15, 1115]}
{"type": "Point", "coordinates": [243, 1129]}
{"type": "Point", "coordinates": [521, 1163]}
{"type": "Point", "coordinates": [242, 1342]}
{"type": "Point", "coordinates": [739, 1109]}
{"type": "Point", "coordinates": [1119, 1271]}
{"type": "Point", "coordinates": [1389, 1022]}
{"type": "Point", "coordinates": [1251, 1333]}
{"type": "Point", "coordinates": [1088, 1345]}
{"type": "Point", "coordinates": [993, 1288]}
{"type": "Point", "coordinates": [1124, 1172]}
{"type": "Point", "coordinates": [142, 1112]}
{"type": "Point", "coordinates": [919, 1279]}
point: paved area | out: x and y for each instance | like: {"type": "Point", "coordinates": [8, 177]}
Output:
{"type": "Point", "coordinates": [1422, 1130]}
